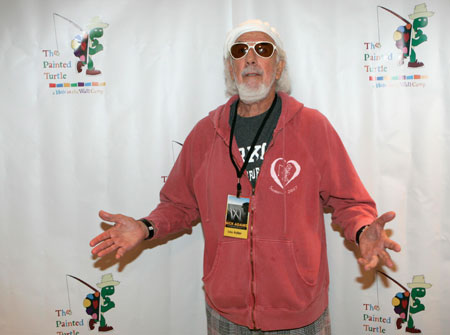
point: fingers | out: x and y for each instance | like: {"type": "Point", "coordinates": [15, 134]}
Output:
{"type": "Point", "coordinates": [107, 248]}
{"type": "Point", "coordinates": [386, 217]}
{"type": "Point", "coordinates": [390, 244]}
{"type": "Point", "coordinates": [369, 264]}
{"type": "Point", "coordinates": [116, 218]}
{"type": "Point", "coordinates": [120, 252]}
{"type": "Point", "coordinates": [374, 243]}
{"type": "Point", "coordinates": [384, 256]}
{"type": "Point", "coordinates": [119, 238]}
{"type": "Point", "coordinates": [99, 238]}
{"type": "Point", "coordinates": [373, 261]}
{"type": "Point", "coordinates": [107, 234]}
{"type": "Point", "coordinates": [101, 249]}
{"type": "Point", "coordinates": [106, 216]}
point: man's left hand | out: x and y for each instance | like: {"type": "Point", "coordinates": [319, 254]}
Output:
{"type": "Point", "coordinates": [374, 241]}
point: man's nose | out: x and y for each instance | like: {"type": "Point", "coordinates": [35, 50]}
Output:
{"type": "Point", "coordinates": [250, 58]}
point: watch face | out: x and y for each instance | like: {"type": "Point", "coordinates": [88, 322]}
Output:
{"type": "Point", "coordinates": [151, 232]}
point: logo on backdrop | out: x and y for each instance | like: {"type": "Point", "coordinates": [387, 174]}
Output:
{"type": "Point", "coordinates": [73, 69]}
{"type": "Point", "coordinates": [406, 304]}
{"type": "Point", "coordinates": [96, 304]}
{"type": "Point", "coordinates": [176, 148]}
{"type": "Point", "coordinates": [397, 63]}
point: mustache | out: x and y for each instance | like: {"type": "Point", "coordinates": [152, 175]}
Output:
{"type": "Point", "coordinates": [251, 69]}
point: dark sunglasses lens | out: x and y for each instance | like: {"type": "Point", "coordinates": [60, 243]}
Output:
{"type": "Point", "coordinates": [238, 50]}
{"type": "Point", "coordinates": [264, 49]}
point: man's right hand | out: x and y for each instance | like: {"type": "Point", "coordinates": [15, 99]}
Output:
{"type": "Point", "coordinates": [123, 236]}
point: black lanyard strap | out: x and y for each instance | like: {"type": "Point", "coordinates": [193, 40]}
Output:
{"type": "Point", "coordinates": [240, 172]}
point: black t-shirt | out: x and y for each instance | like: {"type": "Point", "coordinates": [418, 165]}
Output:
{"type": "Point", "coordinates": [245, 131]}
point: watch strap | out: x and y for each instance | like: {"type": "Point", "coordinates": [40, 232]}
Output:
{"type": "Point", "coordinates": [151, 229]}
{"type": "Point", "coordinates": [359, 232]}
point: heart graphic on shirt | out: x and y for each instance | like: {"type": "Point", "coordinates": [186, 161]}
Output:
{"type": "Point", "coordinates": [283, 172]}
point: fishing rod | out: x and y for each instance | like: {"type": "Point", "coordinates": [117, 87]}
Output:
{"type": "Point", "coordinates": [173, 152]}
{"type": "Point", "coordinates": [393, 13]}
{"type": "Point", "coordinates": [384, 274]}
{"type": "Point", "coordinates": [81, 281]}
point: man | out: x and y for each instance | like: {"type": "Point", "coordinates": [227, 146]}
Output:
{"type": "Point", "coordinates": [267, 270]}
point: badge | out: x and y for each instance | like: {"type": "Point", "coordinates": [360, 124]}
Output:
{"type": "Point", "coordinates": [236, 217]}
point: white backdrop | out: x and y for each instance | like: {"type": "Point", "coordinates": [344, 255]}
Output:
{"type": "Point", "coordinates": [67, 152]}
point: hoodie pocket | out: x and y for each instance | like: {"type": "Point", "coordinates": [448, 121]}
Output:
{"type": "Point", "coordinates": [282, 281]}
{"type": "Point", "coordinates": [227, 285]}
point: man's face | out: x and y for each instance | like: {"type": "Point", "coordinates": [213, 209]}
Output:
{"type": "Point", "coordinates": [252, 71]}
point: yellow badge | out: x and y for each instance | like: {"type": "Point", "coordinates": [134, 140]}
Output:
{"type": "Point", "coordinates": [236, 217]}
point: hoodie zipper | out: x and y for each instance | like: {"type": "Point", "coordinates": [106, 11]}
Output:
{"type": "Point", "coordinates": [252, 263]}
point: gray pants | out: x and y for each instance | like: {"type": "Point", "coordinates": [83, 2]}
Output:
{"type": "Point", "coordinates": [218, 325]}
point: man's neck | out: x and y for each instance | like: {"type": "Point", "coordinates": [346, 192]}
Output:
{"type": "Point", "coordinates": [256, 108]}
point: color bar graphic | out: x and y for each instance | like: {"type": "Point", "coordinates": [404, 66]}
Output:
{"type": "Point", "coordinates": [408, 77]}
{"type": "Point", "coordinates": [78, 84]}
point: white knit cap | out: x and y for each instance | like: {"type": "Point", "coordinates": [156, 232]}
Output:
{"type": "Point", "coordinates": [248, 26]}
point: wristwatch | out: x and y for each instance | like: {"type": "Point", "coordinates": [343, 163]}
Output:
{"type": "Point", "coordinates": [151, 230]}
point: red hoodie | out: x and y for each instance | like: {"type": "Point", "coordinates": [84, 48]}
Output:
{"type": "Point", "coordinates": [277, 278]}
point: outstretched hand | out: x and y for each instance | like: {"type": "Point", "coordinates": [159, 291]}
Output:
{"type": "Point", "coordinates": [374, 241]}
{"type": "Point", "coordinates": [123, 236]}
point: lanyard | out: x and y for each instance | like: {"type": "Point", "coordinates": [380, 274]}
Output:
{"type": "Point", "coordinates": [240, 172]}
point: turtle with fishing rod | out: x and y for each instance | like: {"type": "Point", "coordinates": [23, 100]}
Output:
{"type": "Point", "coordinates": [99, 302]}
{"type": "Point", "coordinates": [411, 35]}
{"type": "Point", "coordinates": [407, 302]}
{"type": "Point", "coordinates": [85, 44]}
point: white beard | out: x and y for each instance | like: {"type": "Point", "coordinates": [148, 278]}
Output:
{"type": "Point", "coordinates": [251, 95]}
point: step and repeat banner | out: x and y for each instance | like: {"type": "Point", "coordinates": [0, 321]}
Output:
{"type": "Point", "coordinates": [97, 98]}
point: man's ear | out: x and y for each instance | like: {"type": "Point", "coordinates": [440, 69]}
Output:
{"type": "Point", "coordinates": [280, 68]}
{"type": "Point", "coordinates": [230, 68]}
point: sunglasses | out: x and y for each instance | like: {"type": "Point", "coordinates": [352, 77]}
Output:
{"type": "Point", "coordinates": [262, 48]}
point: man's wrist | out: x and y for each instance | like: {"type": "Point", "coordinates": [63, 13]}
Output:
{"type": "Point", "coordinates": [359, 232]}
{"type": "Point", "coordinates": [149, 228]}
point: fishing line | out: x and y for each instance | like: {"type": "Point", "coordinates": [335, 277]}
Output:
{"type": "Point", "coordinates": [56, 39]}
{"type": "Point", "coordinates": [378, 24]}
{"type": "Point", "coordinates": [68, 295]}
{"type": "Point", "coordinates": [69, 20]}
{"type": "Point", "coordinates": [54, 26]}
{"type": "Point", "coordinates": [81, 281]}
{"type": "Point", "coordinates": [378, 297]}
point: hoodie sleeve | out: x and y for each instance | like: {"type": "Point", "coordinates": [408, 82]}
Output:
{"type": "Point", "coordinates": [340, 187]}
{"type": "Point", "coordinates": [178, 208]}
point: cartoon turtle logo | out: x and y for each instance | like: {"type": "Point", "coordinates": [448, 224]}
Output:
{"type": "Point", "coordinates": [419, 288]}
{"type": "Point", "coordinates": [420, 17]}
{"type": "Point", "coordinates": [409, 36]}
{"type": "Point", "coordinates": [407, 303]}
{"type": "Point", "coordinates": [99, 302]}
{"type": "Point", "coordinates": [86, 45]}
